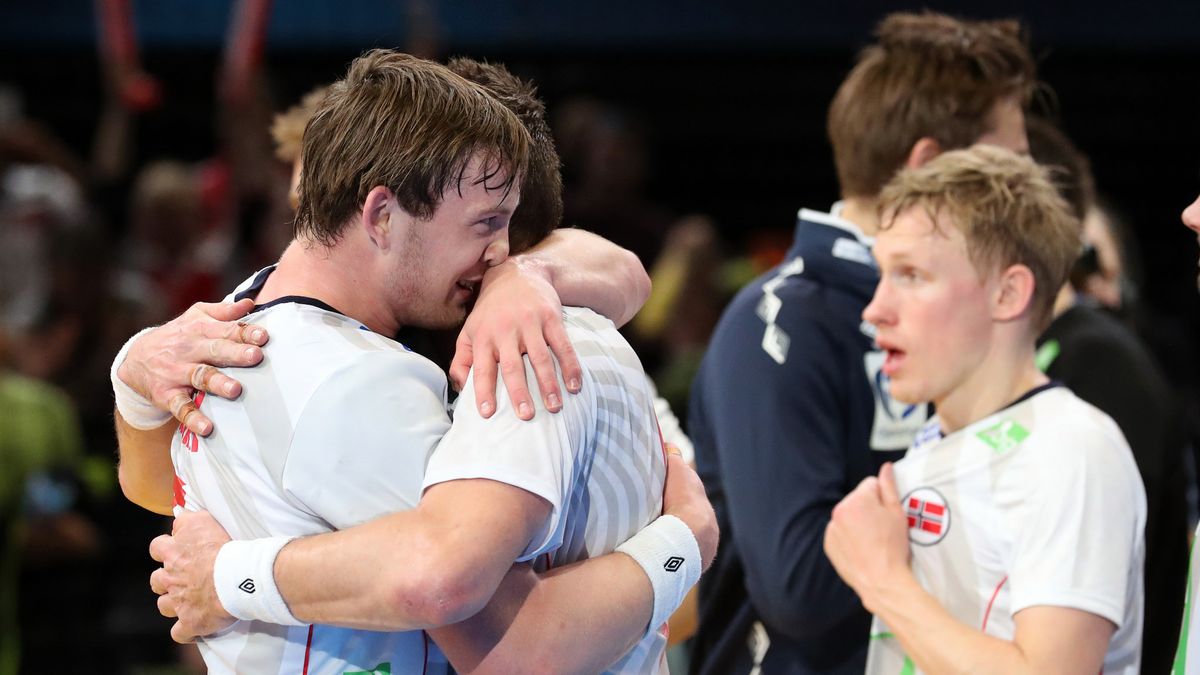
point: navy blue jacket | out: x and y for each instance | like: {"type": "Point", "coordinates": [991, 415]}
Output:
{"type": "Point", "coordinates": [788, 413]}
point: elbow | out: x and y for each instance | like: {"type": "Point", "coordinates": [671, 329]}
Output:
{"type": "Point", "coordinates": [434, 589]}
{"type": "Point", "coordinates": [139, 493]}
{"type": "Point", "coordinates": [638, 281]}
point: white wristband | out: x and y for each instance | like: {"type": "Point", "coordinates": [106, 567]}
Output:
{"type": "Point", "coordinates": [136, 409]}
{"type": "Point", "coordinates": [244, 575]}
{"type": "Point", "coordinates": [668, 553]}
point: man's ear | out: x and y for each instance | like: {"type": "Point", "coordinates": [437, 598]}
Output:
{"type": "Point", "coordinates": [377, 216]}
{"type": "Point", "coordinates": [925, 149]}
{"type": "Point", "coordinates": [1014, 293]}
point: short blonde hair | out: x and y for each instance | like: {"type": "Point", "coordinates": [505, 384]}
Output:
{"type": "Point", "coordinates": [287, 129]}
{"type": "Point", "coordinates": [1007, 208]}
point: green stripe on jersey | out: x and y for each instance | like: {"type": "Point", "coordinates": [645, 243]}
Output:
{"type": "Point", "coordinates": [909, 668]}
{"type": "Point", "coordinates": [1004, 436]}
{"type": "Point", "coordinates": [1181, 654]}
{"type": "Point", "coordinates": [1046, 354]}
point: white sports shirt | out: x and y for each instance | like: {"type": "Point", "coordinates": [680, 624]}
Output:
{"type": "Point", "coordinates": [334, 429]}
{"type": "Point", "coordinates": [599, 462]}
{"type": "Point", "coordinates": [316, 444]}
{"type": "Point", "coordinates": [1038, 504]}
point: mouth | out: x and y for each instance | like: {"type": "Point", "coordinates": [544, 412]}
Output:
{"type": "Point", "coordinates": [893, 358]}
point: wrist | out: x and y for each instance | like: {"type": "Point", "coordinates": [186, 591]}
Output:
{"type": "Point", "coordinates": [136, 409]}
{"type": "Point", "coordinates": [893, 587]}
{"type": "Point", "coordinates": [669, 555]}
{"type": "Point", "coordinates": [244, 577]}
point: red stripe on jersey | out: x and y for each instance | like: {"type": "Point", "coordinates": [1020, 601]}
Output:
{"type": "Point", "coordinates": [308, 648]}
{"type": "Point", "coordinates": [988, 612]}
{"type": "Point", "coordinates": [932, 509]}
{"type": "Point", "coordinates": [180, 497]}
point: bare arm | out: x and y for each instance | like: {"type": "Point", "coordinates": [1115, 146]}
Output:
{"type": "Point", "coordinates": [519, 311]}
{"type": "Point", "coordinates": [429, 566]}
{"type": "Point", "coordinates": [1047, 639]}
{"type": "Point", "coordinates": [536, 624]}
{"type": "Point", "coordinates": [867, 542]}
{"type": "Point", "coordinates": [145, 471]}
{"type": "Point", "coordinates": [590, 271]}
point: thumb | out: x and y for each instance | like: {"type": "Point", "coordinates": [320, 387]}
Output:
{"type": "Point", "coordinates": [230, 311]}
{"type": "Point", "coordinates": [887, 486]}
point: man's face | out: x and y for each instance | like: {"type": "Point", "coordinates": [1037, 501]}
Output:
{"type": "Point", "coordinates": [1191, 218]}
{"type": "Point", "coordinates": [1006, 126]}
{"type": "Point", "coordinates": [931, 307]}
{"type": "Point", "coordinates": [442, 260]}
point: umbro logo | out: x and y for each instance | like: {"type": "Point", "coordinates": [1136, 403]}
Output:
{"type": "Point", "coordinates": [673, 563]}
{"type": "Point", "coordinates": [247, 586]}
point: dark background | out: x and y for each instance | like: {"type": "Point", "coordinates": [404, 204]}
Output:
{"type": "Point", "coordinates": [732, 97]}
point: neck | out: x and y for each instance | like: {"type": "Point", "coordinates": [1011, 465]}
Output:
{"type": "Point", "coordinates": [1064, 300]}
{"type": "Point", "coordinates": [1007, 372]}
{"type": "Point", "coordinates": [863, 212]}
{"type": "Point", "coordinates": [339, 276]}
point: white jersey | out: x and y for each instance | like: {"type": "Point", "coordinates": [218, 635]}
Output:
{"type": "Point", "coordinates": [599, 462]}
{"type": "Point", "coordinates": [1038, 504]}
{"type": "Point", "coordinates": [315, 444]}
{"type": "Point", "coordinates": [1187, 656]}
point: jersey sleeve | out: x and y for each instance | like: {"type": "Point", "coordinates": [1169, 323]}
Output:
{"type": "Point", "coordinates": [777, 448]}
{"type": "Point", "coordinates": [361, 442]}
{"type": "Point", "coordinates": [1078, 537]}
{"type": "Point", "coordinates": [537, 456]}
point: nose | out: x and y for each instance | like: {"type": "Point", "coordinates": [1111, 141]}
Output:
{"type": "Point", "coordinates": [497, 251]}
{"type": "Point", "coordinates": [1191, 216]}
{"type": "Point", "coordinates": [878, 312]}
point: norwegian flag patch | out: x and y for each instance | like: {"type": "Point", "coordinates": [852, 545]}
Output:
{"type": "Point", "coordinates": [928, 516]}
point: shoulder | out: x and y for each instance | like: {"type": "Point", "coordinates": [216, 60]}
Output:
{"type": "Point", "coordinates": [1070, 440]}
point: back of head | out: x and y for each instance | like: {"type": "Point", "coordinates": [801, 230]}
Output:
{"type": "Point", "coordinates": [541, 207]}
{"type": "Point", "coordinates": [287, 129]}
{"type": "Point", "coordinates": [1069, 168]}
{"type": "Point", "coordinates": [409, 125]}
{"type": "Point", "coordinates": [927, 75]}
{"type": "Point", "coordinates": [1007, 208]}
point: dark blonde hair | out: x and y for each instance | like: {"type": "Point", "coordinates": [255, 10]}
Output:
{"type": "Point", "coordinates": [927, 75]}
{"type": "Point", "coordinates": [287, 129]}
{"type": "Point", "coordinates": [409, 125]}
{"type": "Point", "coordinates": [541, 207]}
{"type": "Point", "coordinates": [1008, 209]}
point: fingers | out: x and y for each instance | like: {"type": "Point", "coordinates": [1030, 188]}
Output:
{"type": "Point", "coordinates": [484, 373]}
{"type": "Point", "coordinates": [460, 366]}
{"type": "Point", "coordinates": [159, 547]}
{"type": "Point", "coordinates": [547, 376]}
{"type": "Point", "coordinates": [223, 311]}
{"type": "Point", "coordinates": [887, 486]}
{"type": "Point", "coordinates": [512, 367]}
{"type": "Point", "coordinates": [568, 361]}
{"type": "Point", "coordinates": [166, 606]}
{"type": "Point", "coordinates": [181, 634]}
{"type": "Point", "coordinates": [158, 581]}
{"type": "Point", "coordinates": [208, 379]}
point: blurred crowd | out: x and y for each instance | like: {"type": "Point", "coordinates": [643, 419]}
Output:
{"type": "Point", "coordinates": [94, 247]}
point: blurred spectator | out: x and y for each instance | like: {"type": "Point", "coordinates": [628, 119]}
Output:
{"type": "Point", "coordinates": [606, 168]}
{"type": "Point", "coordinates": [790, 410]}
{"type": "Point", "coordinates": [1105, 364]}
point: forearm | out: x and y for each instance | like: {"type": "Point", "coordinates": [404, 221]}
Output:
{"type": "Point", "coordinates": [575, 619]}
{"type": "Point", "coordinates": [589, 271]}
{"type": "Point", "coordinates": [145, 471]}
{"type": "Point", "coordinates": [398, 572]}
{"type": "Point", "coordinates": [937, 642]}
